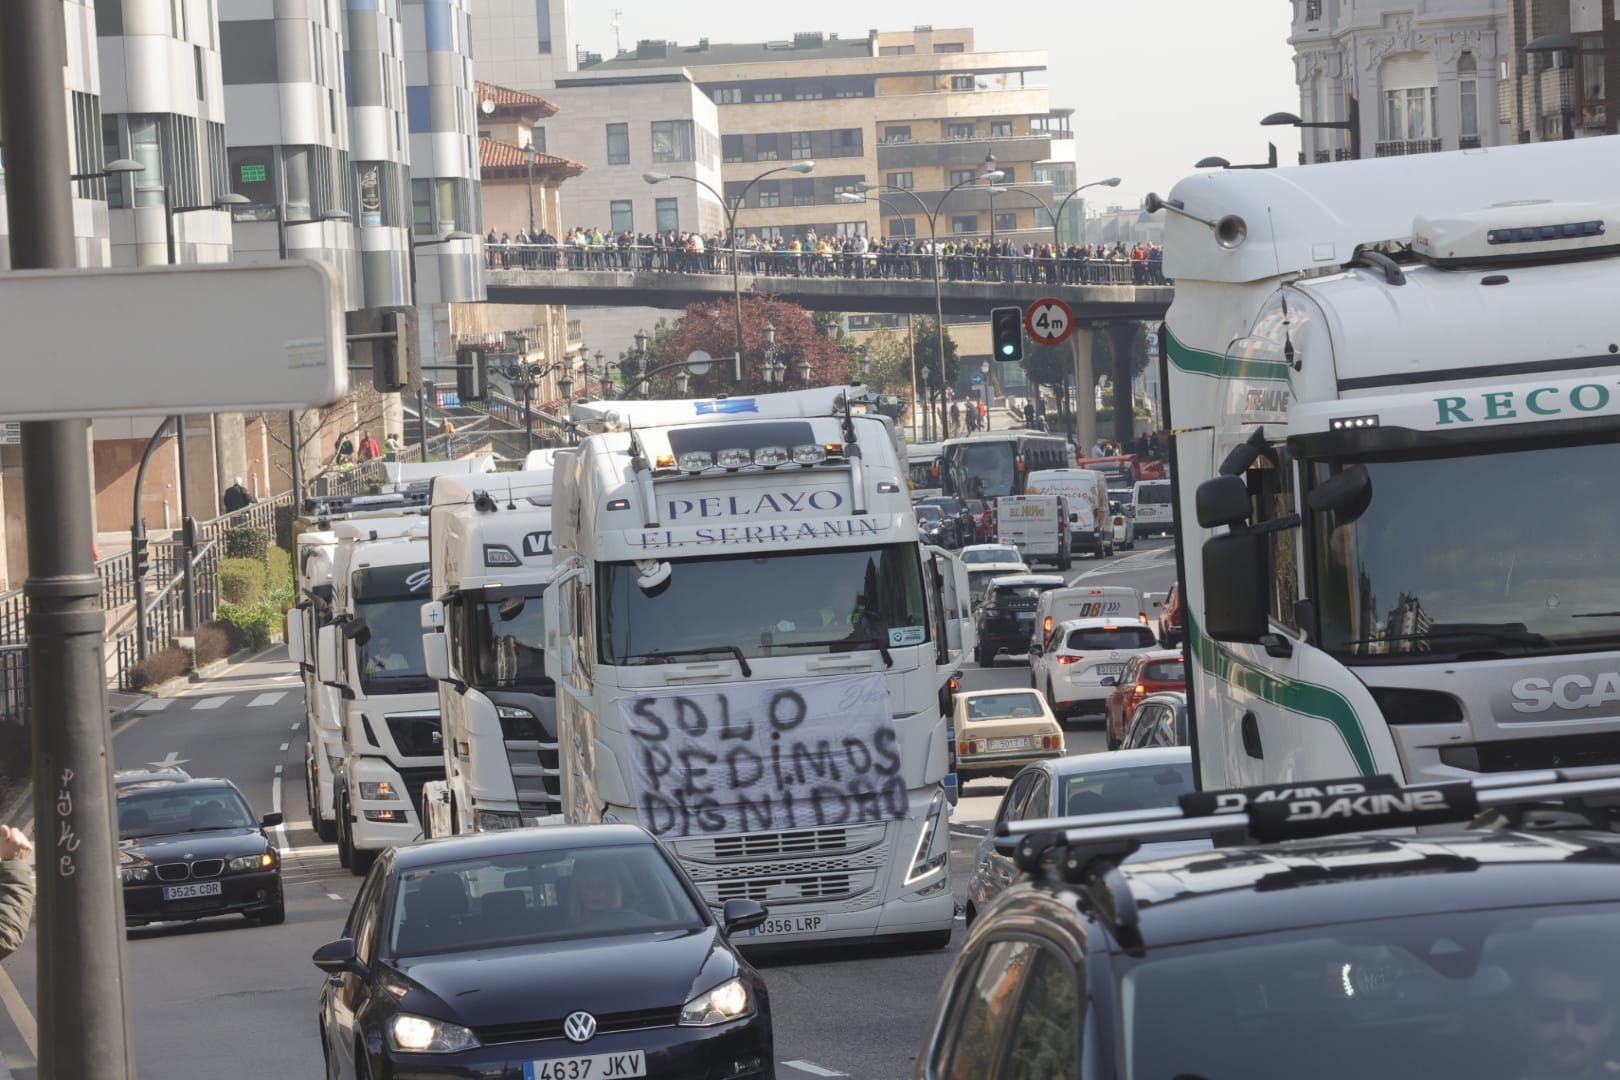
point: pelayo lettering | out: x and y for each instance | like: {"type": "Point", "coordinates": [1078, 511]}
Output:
{"type": "Point", "coordinates": [768, 503]}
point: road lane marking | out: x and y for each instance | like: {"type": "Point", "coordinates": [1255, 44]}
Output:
{"type": "Point", "coordinates": [284, 747]}
{"type": "Point", "coordinates": [335, 896]}
{"type": "Point", "coordinates": [267, 699]}
{"type": "Point", "coordinates": [967, 833]}
{"type": "Point", "coordinates": [155, 705]}
{"type": "Point", "coordinates": [813, 1069]}
{"type": "Point", "coordinates": [211, 703]}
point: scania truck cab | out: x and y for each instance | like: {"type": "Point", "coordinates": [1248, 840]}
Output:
{"type": "Point", "coordinates": [750, 648]}
{"type": "Point", "coordinates": [490, 538]}
{"type": "Point", "coordinates": [1394, 387]}
{"type": "Point", "coordinates": [372, 654]}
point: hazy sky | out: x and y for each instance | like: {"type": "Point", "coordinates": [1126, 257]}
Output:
{"type": "Point", "coordinates": [1155, 84]}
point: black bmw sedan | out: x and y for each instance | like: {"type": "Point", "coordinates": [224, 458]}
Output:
{"type": "Point", "coordinates": [191, 849]}
{"type": "Point", "coordinates": [561, 953]}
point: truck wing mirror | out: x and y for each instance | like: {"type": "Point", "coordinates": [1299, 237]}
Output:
{"type": "Point", "coordinates": [295, 636]}
{"type": "Point", "coordinates": [357, 631]}
{"type": "Point", "coordinates": [326, 655]}
{"type": "Point", "coordinates": [511, 608]}
{"type": "Point", "coordinates": [1222, 500]}
{"type": "Point", "coordinates": [1346, 494]}
{"type": "Point", "coordinates": [1236, 586]}
{"type": "Point", "coordinates": [436, 656]}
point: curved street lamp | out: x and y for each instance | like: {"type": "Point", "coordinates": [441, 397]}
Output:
{"type": "Point", "coordinates": [730, 208]}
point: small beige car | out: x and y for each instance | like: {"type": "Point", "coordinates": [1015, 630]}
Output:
{"type": "Point", "coordinates": [998, 732]}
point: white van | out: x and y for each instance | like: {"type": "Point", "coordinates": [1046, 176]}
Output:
{"type": "Point", "coordinates": [1154, 510]}
{"type": "Point", "coordinates": [1057, 606]}
{"type": "Point", "coordinates": [1090, 522]}
{"type": "Point", "coordinates": [1038, 526]}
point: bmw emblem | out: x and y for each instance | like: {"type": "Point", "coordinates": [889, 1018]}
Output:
{"type": "Point", "coordinates": [579, 1027]}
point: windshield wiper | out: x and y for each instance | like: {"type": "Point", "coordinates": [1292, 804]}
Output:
{"type": "Point", "coordinates": [1597, 615]}
{"type": "Point", "coordinates": [870, 643]}
{"type": "Point", "coordinates": [669, 654]}
{"type": "Point", "coordinates": [1508, 635]}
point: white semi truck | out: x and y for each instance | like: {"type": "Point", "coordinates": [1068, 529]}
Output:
{"type": "Point", "coordinates": [371, 654]}
{"type": "Point", "coordinates": [490, 538]}
{"type": "Point", "coordinates": [750, 649]}
{"type": "Point", "coordinates": [1395, 391]}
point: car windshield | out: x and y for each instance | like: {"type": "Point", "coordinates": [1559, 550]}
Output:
{"type": "Point", "coordinates": [1153, 494]}
{"type": "Point", "coordinates": [508, 653]}
{"type": "Point", "coordinates": [1022, 597]}
{"type": "Point", "coordinates": [930, 512]}
{"type": "Point", "coordinates": [1516, 993]}
{"type": "Point", "coordinates": [527, 897]}
{"type": "Point", "coordinates": [389, 599]}
{"type": "Point", "coordinates": [1123, 496]}
{"type": "Point", "coordinates": [832, 600]}
{"type": "Point", "coordinates": [161, 811]}
{"type": "Point", "coordinates": [1110, 637]}
{"type": "Point", "coordinates": [978, 579]}
{"type": "Point", "coordinates": [1002, 555]}
{"type": "Point", "coordinates": [1134, 787]}
{"type": "Point", "coordinates": [996, 706]}
{"type": "Point", "coordinates": [1444, 564]}
{"type": "Point", "coordinates": [984, 470]}
{"type": "Point", "coordinates": [1166, 671]}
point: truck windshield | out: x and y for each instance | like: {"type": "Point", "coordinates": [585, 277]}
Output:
{"type": "Point", "coordinates": [981, 470]}
{"type": "Point", "coordinates": [1505, 554]}
{"type": "Point", "coordinates": [508, 653]}
{"type": "Point", "coordinates": [767, 605]}
{"type": "Point", "coordinates": [389, 599]}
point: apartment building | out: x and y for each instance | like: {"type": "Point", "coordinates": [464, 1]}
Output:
{"type": "Point", "coordinates": [1571, 89]}
{"type": "Point", "coordinates": [526, 45]}
{"type": "Point", "coordinates": [917, 111]}
{"type": "Point", "coordinates": [1423, 73]}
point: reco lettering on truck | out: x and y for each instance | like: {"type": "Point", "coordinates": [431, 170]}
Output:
{"type": "Point", "coordinates": [1566, 692]}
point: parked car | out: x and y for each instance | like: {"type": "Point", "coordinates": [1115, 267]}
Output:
{"type": "Point", "coordinates": [1084, 661]}
{"type": "Point", "coordinates": [958, 511]}
{"type": "Point", "coordinates": [1171, 627]}
{"type": "Point", "coordinates": [1084, 784]}
{"type": "Point", "coordinates": [571, 951]}
{"type": "Point", "coordinates": [984, 518]}
{"type": "Point", "coordinates": [1007, 614]}
{"type": "Point", "coordinates": [1160, 720]}
{"type": "Point", "coordinates": [998, 732]}
{"type": "Point", "coordinates": [192, 849]}
{"type": "Point", "coordinates": [1149, 673]}
{"type": "Point", "coordinates": [940, 530]}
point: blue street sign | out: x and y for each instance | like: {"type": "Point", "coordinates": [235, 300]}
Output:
{"type": "Point", "coordinates": [978, 380]}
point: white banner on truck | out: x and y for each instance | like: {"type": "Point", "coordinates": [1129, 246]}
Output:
{"type": "Point", "coordinates": [764, 756]}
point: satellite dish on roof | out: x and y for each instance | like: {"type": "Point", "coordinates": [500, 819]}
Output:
{"type": "Point", "coordinates": [488, 106]}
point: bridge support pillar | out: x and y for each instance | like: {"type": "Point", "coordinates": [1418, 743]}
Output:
{"type": "Point", "coordinates": [1122, 338]}
{"type": "Point", "coordinates": [1084, 383]}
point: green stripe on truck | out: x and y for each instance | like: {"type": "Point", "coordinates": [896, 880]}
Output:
{"type": "Point", "coordinates": [1199, 362]}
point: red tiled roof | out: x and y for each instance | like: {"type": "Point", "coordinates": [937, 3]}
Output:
{"type": "Point", "coordinates": [505, 98]}
{"type": "Point", "coordinates": [504, 159]}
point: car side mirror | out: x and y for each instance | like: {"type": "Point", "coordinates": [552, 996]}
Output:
{"type": "Point", "coordinates": [338, 958]}
{"type": "Point", "coordinates": [270, 821]}
{"type": "Point", "coordinates": [1237, 587]}
{"type": "Point", "coordinates": [739, 915]}
{"type": "Point", "coordinates": [1110, 680]}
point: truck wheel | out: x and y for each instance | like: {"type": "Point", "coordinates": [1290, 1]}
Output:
{"type": "Point", "coordinates": [326, 830]}
{"type": "Point", "coordinates": [341, 806]}
{"type": "Point", "coordinates": [360, 862]}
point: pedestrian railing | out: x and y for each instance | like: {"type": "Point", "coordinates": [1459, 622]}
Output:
{"type": "Point", "coordinates": [164, 614]}
{"type": "Point", "coordinates": [905, 266]}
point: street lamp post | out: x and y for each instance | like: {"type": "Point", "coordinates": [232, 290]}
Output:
{"type": "Point", "coordinates": [1350, 125]}
{"type": "Point", "coordinates": [990, 167]}
{"type": "Point", "coordinates": [730, 209]}
{"type": "Point", "coordinates": [932, 217]}
{"type": "Point", "coordinates": [984, 371]}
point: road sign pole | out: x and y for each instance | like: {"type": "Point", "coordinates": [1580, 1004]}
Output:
{"type": "Point", "coordinates": [83, 1009]}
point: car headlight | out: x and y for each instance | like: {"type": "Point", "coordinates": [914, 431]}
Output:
{"type": "Point", "coordinates": [728, 1001]}
{"type": "Point", "coordinates": [420, 1035]}
{"type": "Point", "coordinates": [134, 875]}
{"type": "Point", "coordinates": [263, 861]}
{"type": "Point", "coordinates": [379, 791]}
{"type": "Point", "coordinates": [923, 862]}
{"type": "Point", "coordinates": [495, 820]}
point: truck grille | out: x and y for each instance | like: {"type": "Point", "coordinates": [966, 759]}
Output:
{"type": "Point", "coordinates": [788, 889]}
{"type": "Point", "coordinates": [802, 866]}
{"type": "Point", "coordinates": [535, 776]}
{"type": "Point", "coordinates": [767, 845]}
{"type": "Point", "coordinates": [415, 780]}
{"type": "Point", "coordinates": [416, 733]}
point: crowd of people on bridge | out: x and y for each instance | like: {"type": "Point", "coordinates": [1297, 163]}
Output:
{"type": "Point", "coordinates": [811, 255]}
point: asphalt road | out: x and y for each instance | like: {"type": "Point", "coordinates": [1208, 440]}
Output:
{"type": "Point", "coordinates": [224, 996]}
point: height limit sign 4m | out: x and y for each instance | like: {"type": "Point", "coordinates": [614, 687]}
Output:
{"type": "Point", "coordinates": [1049, 322]}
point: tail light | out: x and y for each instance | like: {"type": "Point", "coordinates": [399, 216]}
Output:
{"type": "Point", "coordinates": [1051, 742]}
{"type": "Point", "coordinates": [1070, 659]}
{"type": "Point", "coordinates": [964, 747]}
{"type": "Point", "coordinates": [1139, 690]}
{"type": "Point", "coordinates": [1119, 521]}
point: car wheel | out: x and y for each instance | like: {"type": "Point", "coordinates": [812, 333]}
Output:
{"type": "Point", "coordinates": [1066, 559]}
{"type": "Point", "coordinates": [274, 916]}
{"type": "Point", "coordinates": [1051, 701]}
{"type": "Point", "coordinates": [1113, 743]}
{"type": "Point", "coordinates": [970, 914]}
{"type": "Point", "coordinates": [362, 1063]}
{"type": "Point", "coordinates": [989, 660]}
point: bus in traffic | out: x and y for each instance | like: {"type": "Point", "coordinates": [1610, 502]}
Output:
{"type": "Point", "coordinates": [996, 464]}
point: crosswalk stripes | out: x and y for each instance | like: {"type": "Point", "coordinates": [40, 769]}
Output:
{"type": "Point", "coordinates": [258, 701]}
{"type": "Point", "coordinates": [267, 699]}
{"type": "Point", "coordinates": [210, 703]}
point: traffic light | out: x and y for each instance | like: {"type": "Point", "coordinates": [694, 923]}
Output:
{"type": "Point", "coordinates": [1007, 333]}
{"type": "Point", "coordinates": [143, 557]}
{"type": "Point", "coordinates": [391, 355]}
{"type": "Point", "coordinates": [472, 373]}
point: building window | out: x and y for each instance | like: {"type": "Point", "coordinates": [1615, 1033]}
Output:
{"type": "Point", "coordinates": [618, 144]}
{"type": "Point", "coordinates": [902, 180]}
{"type": "Point", "coordinates": [1594, 85]}
{"type": "Point", "coordinates": [728, 95]}
{"type": "Point", "coordinates": [454, 197]}
{"type": "Point", "coordinates": [959, 131]}
{"type": "Point", "coordinates": [252, 174]}
{"type": "Point", "coordinates": [767, 147]}
{"type": "Point", "coordinates": [902, 226]}
{"type": "Point", "coordinates": [219, 180]}
{"type": "Point", "coordinates": [1008, 173]}
{"type": "Point", "coordinates": [672, 140]}
{"type": "Point", "coordinates": [1313, 10]}
{"type": "Point", "coordinates": [962, 224]}
{"type": "Point", "coordinates": [117, 186]}
{"type": "Point", "coordinates": [962, 82]}
{"type": "Point", "coordinates": [1410, 114]}
{"type": "Point", "coordinates": [669, 215]}
{"type": "Point", "coordinates": [201, 72]}
{"type": "Point", "coordinates": [767, 95]}
{"type": "Point", "coordinates": [542, 13]}
{"type": "Point", "coordinates": [848, 228]}
{"type": "Point", "coordinates": [804, 192]}
{"type": "Point", "coordinates": [848, 142]}
{"type": "Point", "coordinates": [897, 134]}
{"type": "Point", "coordinates": [421, 206]}
{"type": "Point", "coordinates": [1468, 96]}
{"type": "Point", "coordinates": [87, 144]}
{"type": "Point", "coordinates": [809, 93]}
{"type": "Point", "coordinates": [731, 148]}
{"type": "Point", "coordinates": [1006, 222]}
{"type": "Point", "coordinates": [1001, 129]}
{"type": "Point", "coordinates": [799, 145]}
{"type": "Point", "coordinates": [623, 215]}
{"type": "Point", "coordinates": [146, 147]}
{"type": "Point", "coordinates": [963, 176]}
{"type": "Point", "coordinates": [537, 138]}
{"type": "Point", "coordinates": [770, 194]}
{"type": "Point", "coordinates": [950, 47]}
{"type": "Point", "coordinates": [897, 50]}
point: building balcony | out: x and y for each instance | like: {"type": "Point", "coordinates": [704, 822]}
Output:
{"type": "Point", "coordinates": [939, 153]}
{"type": "Point", "coordinates": [1402, 147]}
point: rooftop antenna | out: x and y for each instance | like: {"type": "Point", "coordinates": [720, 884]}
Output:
{"type": "Point", "coordinates": [616, 22]}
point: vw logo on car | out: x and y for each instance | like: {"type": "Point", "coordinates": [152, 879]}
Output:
{"type": "Point", "coordinates": [579, 1026]}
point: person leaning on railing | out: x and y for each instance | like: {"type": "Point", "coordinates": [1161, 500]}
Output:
{"type": "Point", "coordinates": [16, 889]}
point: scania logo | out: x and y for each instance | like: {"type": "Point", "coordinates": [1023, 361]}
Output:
{"type": "Point", "coordinates": [1536, 695]}
{"type": "Point", "coordinates": [580, 1026]}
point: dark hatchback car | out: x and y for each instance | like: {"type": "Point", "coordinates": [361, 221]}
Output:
{"type": "Point", "coordinates": [192, 849]}
{"type": "Point", "coordinates": [938, 529]}
{"type": "Point", "coordinates": [1006, 618]}
{"type": "Point", "coordinates": [967, 526]}
{"type": "Point", "coordinates": [563, 953]}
